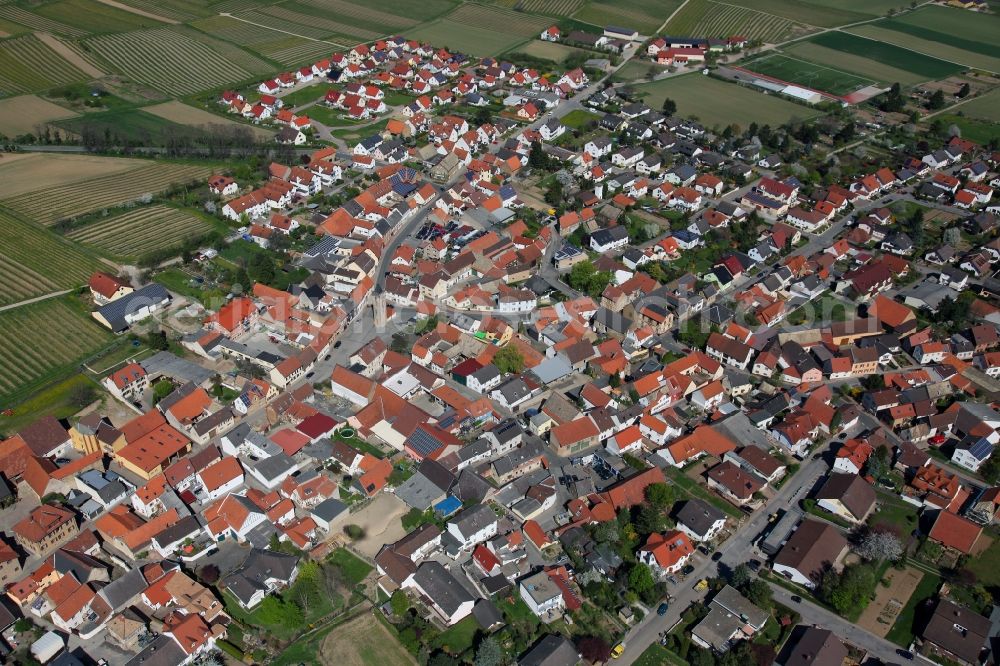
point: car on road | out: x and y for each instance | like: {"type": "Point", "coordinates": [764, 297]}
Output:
{"type": "Point", "coordinates": [663, 608]}
{"type": "Point", "coordinates": [617, 650]}
{"type": "Point", "coordinates": [672, 580]}
{"type": "Point", "coordinates": [336, 345]}
{"type": "Point", "coordinates": [716, 556]}
{"type": "Point", "coordinates": [754, 565]}
{"type": "Point", "coordinates": [905, 654]}
{"type": "Point", "coordinates": [309, 375]}
{"type": "Point", "coordinates": [687, 570]}
{"type": "Point", "coordinates": [796, 598]}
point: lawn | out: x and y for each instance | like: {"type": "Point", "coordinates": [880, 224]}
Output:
{"type": "Point", "coordinates": [903, 629]}
{"type": "Point", "coordinates": [986, 565]}
{"type": "Point", "coordinates": [307, 94]}
{"type": "Point", "coordinates": [578, 119]}
{"type": "Point", "coordinates": [182, 283]}
{"type": "Point", "coordinates": [459, 637]}
{"type": "Point", "coordinates": [695, 489]}
{"type": "Point", "coordinates": [557, 53]}
{"type": "Point", "coordinates": [657, 655]}
{"type": "Point", "coordinates": [895, 513]}
{"type": "Point", "coordinates": [353, 567]}
{"type": "Point", "coordinates": [360, 445]}
{"type": "Point", "coordinates": [55, 400]}
{"type": "Point", "coordinates": [717, 103]}
{"type": "Point", "coordinates": [636, 70]}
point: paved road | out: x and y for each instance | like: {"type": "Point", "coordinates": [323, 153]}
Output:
{"type": "Point", "coordinates": [845, 629]}
{"type": "Point", "coordinates": [737, 549]}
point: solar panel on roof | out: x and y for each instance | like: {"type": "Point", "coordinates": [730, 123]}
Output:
{"type": "Point", "coordinates": [981, 449]}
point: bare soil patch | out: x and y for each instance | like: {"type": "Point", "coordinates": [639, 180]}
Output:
{"type": "Point", "coordinates": [381, 522]}
{"type": "Point", "coordinates": [39, 171]}
{"type": "Point", "coordinates": [881, 613]}
{"type": "Point", "coordinates": [181, 113]}
{"type": "Point", "coordinates": [19, 115]}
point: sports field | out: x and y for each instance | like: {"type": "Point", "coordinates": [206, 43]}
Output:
{"type": "Point", "coordinates": [28, 360]}
{"type": "Point", "coordinates": [806, 73]}
{"type": "Point", "coordinates": [957, 35]}
{"type": "Point", "coordinates": [717, 103]}
{"type": "Point", "coordinates": [36, 261]}
{"type": "Point", "coordinates": [646, 16]}
{"type": "Point", "coordinates": [136, 233]}
{"type": "Point", "coordinates": [903, 59]}
{"type": "Point", "coordinates": [19, 115]}
{"type": "Point", "coordinates": [713, 19]}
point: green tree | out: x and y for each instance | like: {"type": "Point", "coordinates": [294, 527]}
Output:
{"type": "Point", "coordinates": [878, 463]}
{"type": "Point", "coordinates": [669, 107]}
{"type": "Point", "coordinates": [640, 580]}
{"type": "Point", "coordinates": [489, 653]}
{"type": "Point", "coordinates": [758, 593]}
{"type": "Point", "coordinates": [586, 278]}
{"type": "Point", "coordinates": [537, 159]}
{"type": "Point", "coordinates": [660, 496]}
{"type": "Point", "coordinates": [740, 577]}
{"type": "Point", "coordinates": [651, 520]}
{"type": "Point", "coordinates": [849, 589]}
{"type": "Point", "coordinates": [990, 471]}
{"type": "Point", "coordinates": [554, 195]}
{"type": "Point", "coordinates": [261, 268]}
{"type": "Point", "coordinates": [399, 603]}
{"type": "Point", "coordinates": [509, 360]}
{"type": "Point", "coordinates": [936, 101]}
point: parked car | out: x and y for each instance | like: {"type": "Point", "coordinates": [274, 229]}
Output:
{"type": "Point", "coordinates": [796, 598]}
{"type": "Point", "coordinates": [663, 608]}
{"type": "Point", "coordinates": [716, 556]}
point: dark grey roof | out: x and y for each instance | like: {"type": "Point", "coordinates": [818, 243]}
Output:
{"type": "Point", "coordinates": [115, 312]}
{"type": "Point", "coordinates": [442, 588]}
{"type": "Point", "coordinates": [552, 650]}
{"type": "Point", "coordinates": [259, 566]}
{"type": "Point", "coordinates": [473, 519]}
{"type": "Point", "coordinates": [123, 590]}
{"type": "Point", "coordinates": [164, 651]}
{"type": "Point", "coordinates": [329, 509]}
{"type": "Point", "coordinates": [273, 467]}
{"type": "Point", "coordinates": [699, 516]}
{"type": "Point", "coordinates": [471, 487]}
{"type": "Point", "coordinates": [183, 528]}
{"type": "Point", "coordinates": [487, 615]}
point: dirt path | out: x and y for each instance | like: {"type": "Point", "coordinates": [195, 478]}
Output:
{"type": "Point", "coordinates": [140, 12]}
{"type": "Point", "coordinates": [72, 56]}
{"type": "Point", "coordinates": [43, 297]}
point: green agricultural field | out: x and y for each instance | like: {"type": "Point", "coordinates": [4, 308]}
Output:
{"type": "Point", "coordinates": [94, 17]}
{"type": "Point", "coordinates": [35, 261]}
{"type": "Point", "coordinates": [381, 16]}
{"type": "Point", "coordinates": [306, 25]}
{"type": "Point", "coordinates": [886, 55]}
{"type": "Point", "coordinates": [974, 129]}
{"type": "Point", "coordinates": [956, 35]}
{"type": "Point", "coordinates": [550, 7]}
{"type": "Point", "coordinates": [821, 13]}
{"type": "Point", "coordinates": [472, 29]}
{"type": "Point", "coordinates": [984, 107]}
{"type": "Point", "coordinates": [28, 65]}
{"type": "Point", "coordinates": [177, 10]}
{"type": "Point", "coordinates": [807, 73]}
{"type": "Point", "coordinates": [717, 103]}
{"type": "Point", "coordinates": [48, 206]}
{"type": "Point", "coordinates": [168, 61]}
{"type": "Point", "coordinates": [706, 18]}
{"type": "Point", "coordinates": [30, 21]}
{"type": "Point", "coordinates": [646, 16]}
{"type": "Point", "coordinates": [139, 232]}
{"type": "Point", "coordinates": [29, 360]}
{"type": "Point", "coordinates": [278, 46]}
{"type": "Point", "coordinates": [132, 125]}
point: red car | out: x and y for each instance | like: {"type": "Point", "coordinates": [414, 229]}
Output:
{"type": "Point", "coordinates": [938, 440]}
